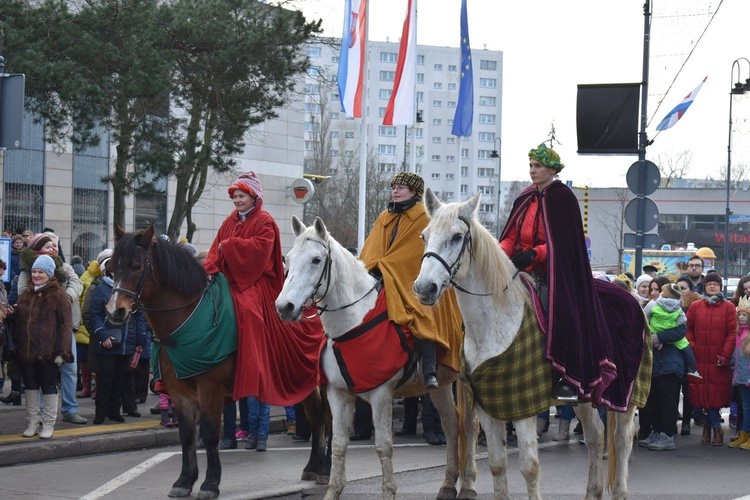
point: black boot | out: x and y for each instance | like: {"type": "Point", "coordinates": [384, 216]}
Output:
{"type": "Point", "coordinates": [429, 363]}
{"type": "Point", "coordinates": [13, 398]}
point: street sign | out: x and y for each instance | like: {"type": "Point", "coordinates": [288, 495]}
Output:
{"type": "Point", "coordinates": [302, 191]}
{"type": "Point", "coordinates": [649, 240]}
{"type": "Point", "coordinates": [11, 110]}
{"type": "Point", "coordinates": [648, 171]}
{"type": "Point", "coordinates": [650, 214]}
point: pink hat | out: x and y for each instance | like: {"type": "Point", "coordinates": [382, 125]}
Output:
{"type": "Point", "coordinates": [37, 241]}
{"type": "Point", "coordinates": [249, 183]}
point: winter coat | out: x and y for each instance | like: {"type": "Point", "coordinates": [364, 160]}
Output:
{"type": "Point", "coordinates": [133, 332]}
{"type": "Point", "coordinates": [741, 373]}
{"type": "Point", "coordinates": [66, 277]}
{"type": "Point", "coordinates": [82, 334]}
{"type": "Point", "coordinates": [711, 331]}
{"type": "Point", "coordinates": [43, 324]}
{"type": "Point", "coordinates": [669, 360]}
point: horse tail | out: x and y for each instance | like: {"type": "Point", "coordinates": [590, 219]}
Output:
{"type": "Point", "coordinates": [611, 449]}
{"type": "Point", "coordinates": [462, 413]}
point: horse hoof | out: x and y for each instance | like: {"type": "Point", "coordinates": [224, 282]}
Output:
{"type": "Point", "coordinates": [309, 476]}
{"type": "Point", "coordinates": [446, 494]}
{"type": "Point", "coordinates": [467, 494]}
{"type": "Point", "coordinates": [178, 492]}
{"type": "Point", "coordinates": [207, 495]}
{"type": "Point", "coordinates": [322, 480]}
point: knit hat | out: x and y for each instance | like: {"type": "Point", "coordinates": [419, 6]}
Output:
{"type": "Point", "coordinates": [46, 264]}
{"type": "Point", "coordinates": [672, 290]}
{"type": "Point", "coordinates": [712, 276]}
{"type": "Point", "coordinates": [249, 183]}
{"type": "Point", "coordinates": [412, 181]}
{"type": "Point", "coordinates": [17, 237]}
{"type": "Point", "coordinates": [104, 254]}
{"type": "Point", "coordinates": [37, 241]}
{"type": "Point", "coordinates": [547, 157]}
{"type": "Point", "coordinates": [643, 278]}
{"type": "Point", "coordinates": [743, 310]}
{"type": "Point", "coordinates": [190, 248]}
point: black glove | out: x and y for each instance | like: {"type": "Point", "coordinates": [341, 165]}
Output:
{"type": "Point", "coordinates": [522, 260]}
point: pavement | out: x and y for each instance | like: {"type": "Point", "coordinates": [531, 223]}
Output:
{"type": "Point", "coordinates": [75, 440]}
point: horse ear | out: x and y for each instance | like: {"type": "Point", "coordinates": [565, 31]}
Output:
{"type": "Point", "coordinates": [297, 226]}
{"type": "Point", "coordinates": [146, 236]}
{"type": "Point", "coordinates": [119, 232]}
{"type": "Point", "coordinates": [320, 228]}
{"type": "Point", "coordinates": [471, 205]}
{"type": "Point", "coordinates": [431, 202]}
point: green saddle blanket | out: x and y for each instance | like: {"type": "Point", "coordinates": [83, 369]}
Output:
{"type": "Point", "coordinates": [205, 339]}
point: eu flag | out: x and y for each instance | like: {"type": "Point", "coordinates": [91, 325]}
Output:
{"type": "Point", "coordinates": [464, 116]}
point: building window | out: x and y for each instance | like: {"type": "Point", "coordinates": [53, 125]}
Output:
{"type": "Point", "coordinates": [386, 167]}
{"type": "Point", "coordinates": [419, 133]}
{"type": "Point", "coordinates": [437, 85]}
{"type": "Point", "coordinates": [381, 112]}
{"type": "Point", "coordinates": [486, 136]}
{"type": "Point", "coordinates": [450, 158]}
{"type": "Point", "coordinates": [485, 64]}
{"type": "Point", "coordinates": [451, 104]}
{"type": "Point", "coordinates": [334, 152]}
{"type": "Point", "coordinates": [464, 187]}
{"type": "Point", "coordinates": [435, 176]}
{"type": "Point", "coordinates": [420, 60]}
{"type": "Point", "coordinates": [349, 135]}
{"type": "Point", "coordinates": [335, 59]}
{"type": "Point", "coordinates": [486, 118]}
{"type": "Point", "coordinates": [312, 108]}
{"type": "Point", "coordinates": [485, 172]}
{"type": "Point", "coordinates": [451, 86]}
{"type": "Point", "coordinates": [349, 153]}
{"type": "Point", "coordinates": [449, 177]}
{"type": "Point", "coordinates": [313, 71]}
{"type": "Point", "coordinates": [464, 153]}
{"type": "Point", "coordinates": [438, 67]}
{"type": "Point", "coordinates": [450, 140]}
{"type": "Point", "coordinates": [24, 179]}
{"type": "Point", "coordinates": [437, 104]}
{"type": "Point", "coordinates": [312, 126]}
{"type": "Point", "coordinates": [420, 77]}
{"type": "Point", "coordinates": [385, 131]}
{"type": "Point", "coordinates": [387, 76]}
{"type": "Point", "coordinates": [486, 100]}
{"type": "Point", "coordinates": [437, 121]}
{"type": "Point", "coordinates": [435, 157]}
{"type": "Point", "coordinates": [309, 145]}
{"type": "Point", "coordinates": [486, 189]}
{"type": "Point", "coordinates": [420, 96]}
{"type": "Point", "coordinates": [334, 134]}
{"type": "Point", "coordinates": [449, 195]}
{"type": "Point", "coordinates": [334, 116]}
{"type": "Point", "coordinates": [450, 122]}
{"type": "Point", "coordinates": [387, 149]}
{"type": "Point", "coordinates": [335, 96]}
{"type": "Point", "coordinates": [313, 51]}
{"type": "Point", "coordinates": [384, 94]}
{"type": "Point", "coordinates": [311, 89]}
{"type": "Point", "coordinates": [488, 83]}
{"type": "Point", "coordinates": [388, 57]}
{"type": "Point", "coordinates": [486, 207]}
{"type": "Point", "coordinates": [452, 67]}
{"type": "Point", "coordinates": [436, 140]}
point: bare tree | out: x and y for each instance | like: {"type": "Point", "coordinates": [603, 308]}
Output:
{"type": "Point", "coordinates": [613, 221]}
{"type": "Point", "coordinates": [739, 176]}
{"type": "Point", "coordinates": [514, 190]}
{"type": "Point", "coordinates": [674, 167]}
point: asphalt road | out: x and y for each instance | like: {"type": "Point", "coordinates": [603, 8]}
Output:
{"type": "Point", "coordinates": [690, 472]}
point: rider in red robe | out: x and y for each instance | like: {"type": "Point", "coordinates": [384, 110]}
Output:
{"type": "Point", "coordinates": [277, 361]}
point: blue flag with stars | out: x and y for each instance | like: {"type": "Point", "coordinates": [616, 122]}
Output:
{"type": "Point", "coordinates": [464, 116]}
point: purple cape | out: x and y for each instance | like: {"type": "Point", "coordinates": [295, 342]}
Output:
{"type": "Point", "coordinates": [595, 336]}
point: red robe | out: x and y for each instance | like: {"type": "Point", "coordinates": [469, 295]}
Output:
{"type": "Point", "coordinates": [277, 361]}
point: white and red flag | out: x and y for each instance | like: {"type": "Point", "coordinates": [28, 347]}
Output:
{"type": "Point", "coordinates": [400, 110]}
{"type": "Point", "coordinates": [352, 58]}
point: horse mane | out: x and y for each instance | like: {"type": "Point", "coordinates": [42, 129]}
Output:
{"type": "Point", "coordinates": [174, 267]}
{"type": "Point", "coordinates": [497, 270]}
{"type": "Point", "coordinates": [338, 254]}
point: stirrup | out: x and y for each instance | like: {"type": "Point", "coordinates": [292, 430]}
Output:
{"type": "Point", "coordinates": [565, 393]}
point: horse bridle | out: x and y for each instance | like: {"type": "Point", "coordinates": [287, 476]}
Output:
{"type": "Point", "coordinates": [452, 269]}
{"type": "Point", "coordinates": [136, 295]}
{"type": "Point", "coordinates": [326, 274]}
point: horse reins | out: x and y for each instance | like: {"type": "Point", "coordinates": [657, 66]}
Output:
{"type": "Point", "coordinates": [452, 269]}
{"type": "Point", "coordinates": [136, 295]}
{"type": "Point", "coordinates": [326, 274]}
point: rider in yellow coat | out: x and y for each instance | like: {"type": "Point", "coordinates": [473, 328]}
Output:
{"type": "Point", "coordinates": [393, 250]}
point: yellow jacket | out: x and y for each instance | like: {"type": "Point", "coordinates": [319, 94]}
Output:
{"type": "Point", "coordinates": [399, 263]}
{"type": "Point", "coordinates": [82, 335]}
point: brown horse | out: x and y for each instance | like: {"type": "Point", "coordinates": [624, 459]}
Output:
{"type": "Point", "coordinates": [166, 283]}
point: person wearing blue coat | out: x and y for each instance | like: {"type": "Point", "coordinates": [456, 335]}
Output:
{"type": "Point", "coordinates": [112, 391]}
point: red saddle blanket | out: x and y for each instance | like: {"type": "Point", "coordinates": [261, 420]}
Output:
{"type": "Point", "coordinates": [371, 353]}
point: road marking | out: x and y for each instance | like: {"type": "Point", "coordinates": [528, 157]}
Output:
{"type": "Point", "coordinates": [127, 476]}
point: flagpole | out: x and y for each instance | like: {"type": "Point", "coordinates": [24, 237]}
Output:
{"type": "Point", "coordinates": [413, 148]}
{"type": "Point", "coordinates": [460, 163]}
{"type": "Point", "coordinates": [363, 141]}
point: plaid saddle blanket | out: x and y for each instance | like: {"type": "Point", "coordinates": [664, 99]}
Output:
{"type": "Point", "coordinates": [515, 384]}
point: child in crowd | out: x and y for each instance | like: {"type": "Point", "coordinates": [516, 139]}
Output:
{"type": "Point", "coordinates": [741, 376]}
{"type": "Point", "coordinates": [665, 313]}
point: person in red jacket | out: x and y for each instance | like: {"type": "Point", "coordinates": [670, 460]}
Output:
{"type": "Point", "coordinates": [712, 331]}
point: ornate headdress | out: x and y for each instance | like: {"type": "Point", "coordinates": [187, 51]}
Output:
{"type": "Point", "coordinates": [547, 157]}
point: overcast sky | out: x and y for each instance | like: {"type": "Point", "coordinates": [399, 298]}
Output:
{"type": "Point", "coordinates": [551, 46]}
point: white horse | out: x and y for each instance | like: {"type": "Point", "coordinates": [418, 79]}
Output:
{"type": "Point", "coordinates": [459, 251]}
{"type": "Point", "coordinates": [321, 271]}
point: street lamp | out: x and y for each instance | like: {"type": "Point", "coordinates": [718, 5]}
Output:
{"type": "Point", "coordinates": [495, 156]}
{"type": "Point", "coordinates": [738, 88]}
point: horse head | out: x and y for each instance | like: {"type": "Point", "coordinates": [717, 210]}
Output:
{"type": "Point", "coordinates": [446, 238]}
{"type": "Point", "coordinates": [131, 266]}
{"type": "Point", "coordinates": [308, 267]}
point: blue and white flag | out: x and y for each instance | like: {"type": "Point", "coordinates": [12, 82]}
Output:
{"type": "Point", "coordinates": [464, 116]}
{"type": "Point", "coordinates": [679, 110]}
